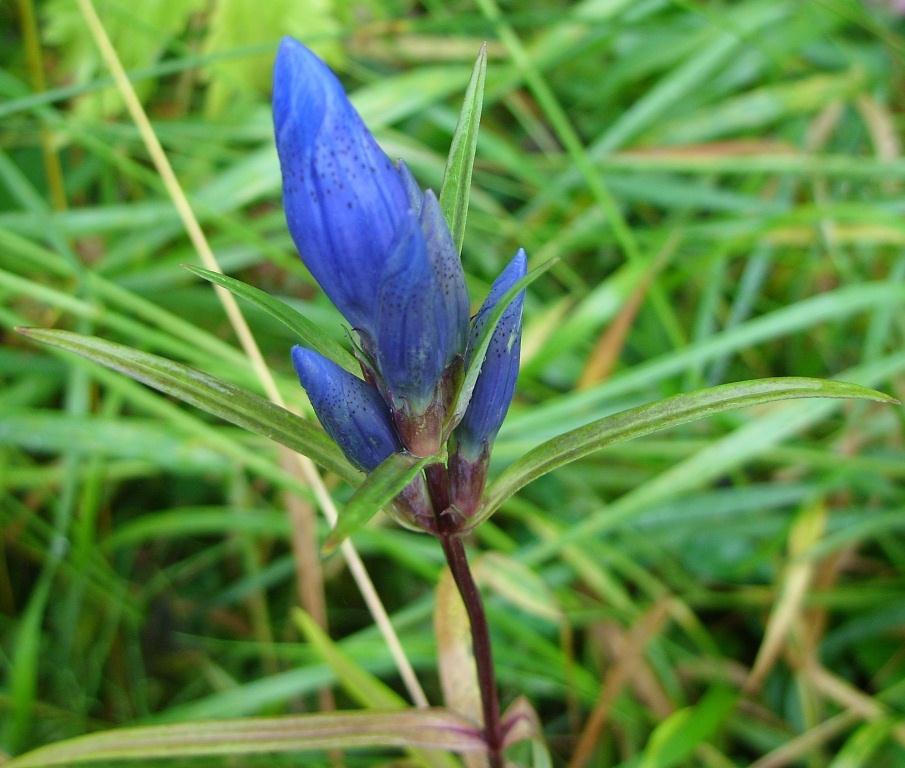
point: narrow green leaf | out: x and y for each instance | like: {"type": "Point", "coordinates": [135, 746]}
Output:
{"type": "Point", "coordinates": [360, 684]}
{"type": "Point", "coordinates": [309, 334]}
{"type": "Point", "coordinates": [671, 412]}
{"type": "Point", "coordinates": [220, 398]}
{"type": "Point", "coordinates": [189, 522]}
{"type": "Point", "coordinates": [379, 488]}
{"type": "Point", "coordinates": [518, 584]}
{"type": "Point", "coordinates": [860, 749]}
{"type": "Point", "coordinates": [675, 739]}
{"type": "Point", "coordinates": [463, 397]}
{"type": "Point", "coordinates": [23, 680]}
{"type": "Point", "coordinates": [52, 432]}
{"type": "Point", "coordinates": [456, 186]}
{"type": "Point", "coordinates": [419, 728]}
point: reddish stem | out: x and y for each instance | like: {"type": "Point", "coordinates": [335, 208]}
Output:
{"type": "Point", "coordinates": [457, 560]}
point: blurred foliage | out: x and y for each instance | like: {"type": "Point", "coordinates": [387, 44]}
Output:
{"type": "Point", "coordinates": [724, 182]}
{"type": "Point", "coordinates": [242, 23]}
{"type": "Point", "coordinates": [141, 40]}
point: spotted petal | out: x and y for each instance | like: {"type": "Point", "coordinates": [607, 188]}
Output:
{"type": "Point", "coordinates": [444, 258]}
{"type": "Point", "coordinates": [350, 410]}
{"type": "Point", "coordinates": [496, 383]}
{"type": "Point", "coordinates": [412, 338]}
{"type": "Point", "coordinates": [344, 200]}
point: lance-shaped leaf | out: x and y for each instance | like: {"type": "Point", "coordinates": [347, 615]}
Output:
{"type": "Point", "coordinates": [309, 334]}
{"type": "Point", "coordinates": [643, 420]}
{"type": "Point", "coordinates": [379, 489]}
{"type": "Point", "coordinates": [220, 398]}
{"type": "Point", "coordinates": [518, 584]}
{"type": "Point", "coordinates": [674, 740]}
{"type": "Point", "coordinates": [455, 658]}
{"type": "Point", "coordinates": [415, 728]}
{"type": "Point", "coordinates": [456, 186]}
{"type": "Point", "coordinates": [361, 685]}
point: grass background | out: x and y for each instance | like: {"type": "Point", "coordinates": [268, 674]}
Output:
{"type": "Point", "coordinates": [723, 182]}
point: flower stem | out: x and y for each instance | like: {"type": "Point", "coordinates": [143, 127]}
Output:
{"type": "Point", "coordinates": [457, 560]}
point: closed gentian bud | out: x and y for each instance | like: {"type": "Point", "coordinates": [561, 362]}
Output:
{"type": "Point", "coordinates": [453, 301]}
{"type": "Point", "coordinates": [354, 414]}
{"type": "Point", "coordinates": [420, 330]}
{"type": "Point", "coordinates": [376, 244]}
{"type": "Point", "coordinates": [344, 199]}
{"type": "Point", "coordinates": [492, 393]}
{"type": "Point", "coordinates": [349, 409]}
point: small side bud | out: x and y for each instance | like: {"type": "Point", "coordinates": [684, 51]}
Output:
{"type": "Point", "coordinates": [350, 410]}
{"type": "Point", "coordinates": [496, 383]}
{"type": "Point", "coordinates": [412, 508]}
{"type": "Point", "coordinates": [492, 393]}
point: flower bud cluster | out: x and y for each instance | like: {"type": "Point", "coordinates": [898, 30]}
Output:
{"type": "Point", "coordinates": [381, 250]}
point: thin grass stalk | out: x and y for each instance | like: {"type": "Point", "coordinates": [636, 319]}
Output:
{"type": "Point", "coordinates": [237, 320]}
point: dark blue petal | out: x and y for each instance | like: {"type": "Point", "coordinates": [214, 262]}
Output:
{"type": "Point", "coordinates": [444, 257]}
{"type": "Point", "coordinates": [496, 383]}
{"type": "Point", "coordinates": [351, 411]}
{"type": "Point", "coordinates": [344, 199]}
{"type": "Point", "coordinates": [412, 343]}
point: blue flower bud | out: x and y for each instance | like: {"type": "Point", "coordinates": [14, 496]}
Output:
{"type": "Point", "coordinates": [453, 301]}
{"type": "Point", "coordinates": [410, 343]}
{"type": "Point", "coordinates": [496, 383]}
{"type": "Point", "coordinates": [344, 200]}
{"type": "Point", "coordinates": [350, 410]}
{"type": "Point", "coordinates": [422, 319]}
{"type": "Point", "coordinates": [423, 309]}
{"type": "Point", "coordinates": [378, 246]}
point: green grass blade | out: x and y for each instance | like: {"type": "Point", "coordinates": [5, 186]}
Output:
{"type": "Point", "coordinates": [420, 728]}
{"type": "Point", "coordinates": [309, 334]}
{"type": "Point", "coordinates": [861, 748]}
{"type": "Point", "coordinates": [676, 738]}
{"type": "Point", "coordinates": [673, 411]}
{"type": "Point", "coordinates": [364, 688]}
{"type": "Point", "coordinates": [23, 680]}
{"type": "Point", "coordinates": [217, 397]}
{"type": "Point", "coordinates": [381, 487]}
{"type": "Point", "coordinates": [456, 186]}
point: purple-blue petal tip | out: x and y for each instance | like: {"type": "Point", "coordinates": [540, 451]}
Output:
{"type": "Point", "coordinates": [496, 383]}
{"type": "Point", "coordinates": [343, 198]}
